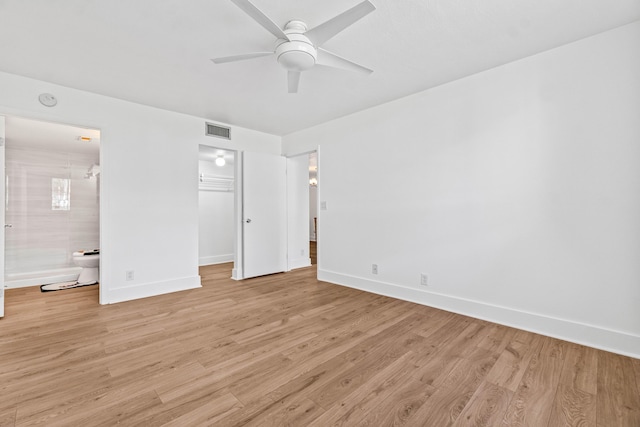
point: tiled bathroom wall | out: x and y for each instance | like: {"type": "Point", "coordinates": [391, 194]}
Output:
{"type": "Point", "coordinates": [52, 204]}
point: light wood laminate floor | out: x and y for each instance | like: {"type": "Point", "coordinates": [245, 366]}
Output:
{"type": "Point", "coordinates": [313, 252]}
{"type": "Point", "coordinates": [289, 350]}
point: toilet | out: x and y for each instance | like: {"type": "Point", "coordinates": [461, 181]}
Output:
{"type": "Point", "coordinates": [90, 263]}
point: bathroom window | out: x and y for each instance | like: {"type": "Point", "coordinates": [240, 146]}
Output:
{"type": "Point", "coordinates": [60, 194]}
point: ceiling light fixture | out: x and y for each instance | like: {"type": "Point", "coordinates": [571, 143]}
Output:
{"type": "Point", "coordinates": [313, 182]}
{"type": "Point", "coordinates": [84, 138]}
{"type": "Point", "coordinates": [220, 161]}
{"type": "Point", "coordinates": [48, 100]}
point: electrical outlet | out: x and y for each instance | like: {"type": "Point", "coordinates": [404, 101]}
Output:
{"type": "Point", "coordinates": [374, 268]}
{"type": "Point", "coordinates": [302, 252]}
{"type": "Point", "coordinates": [129, 275]}
{"type": "Point", "coordinates": [423, 279]}
{"type": "Point", "coordinates": [323, 205]}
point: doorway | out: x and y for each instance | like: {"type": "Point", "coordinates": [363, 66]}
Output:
{"type": "Point", "coordinates": [52, 200]}
{"type": "Point", "coordinates": [313, 207]}
{"type": "Point", "coordinates": [216, 205]}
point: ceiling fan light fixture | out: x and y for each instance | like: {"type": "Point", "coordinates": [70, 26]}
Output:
{"type": "Point", "coordinates": [298, 49]}
{"type": "Point", "coordinates": [296, 60]}
{"type": "Point", "coordinates": [297, 53]}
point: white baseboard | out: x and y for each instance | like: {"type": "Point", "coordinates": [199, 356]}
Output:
{"type": "Point", "coordinates": [299, 263]}
{"type": "Point", "coordinates": [24, 283]}
{"type": "Point", "coordinates": [145, 290]}
{"type": "Point", "coordinates": [215, 259]}
{"type": "Point", "coordinates": [579, 333]}
{"type": "Point", "coordinates": [41, 277]}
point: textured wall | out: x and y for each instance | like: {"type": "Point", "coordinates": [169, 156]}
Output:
{"type": "Point", "coordinates": [42, 237]}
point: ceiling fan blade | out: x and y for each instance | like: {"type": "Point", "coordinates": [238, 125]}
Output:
{"type": "Point", "coordinates": [262, 19]}
{"type": "Point", "coordinates": [242, 57]}
{"type": "Point", "coordinates": [323, 32]}
{"type": "Point", "coordinates": [329, 59]}
{"type": "Point", "coordinates": [293, 80]}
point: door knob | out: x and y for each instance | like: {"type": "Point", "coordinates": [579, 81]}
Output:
{"type": "Point", "coordinates": [248, 220]}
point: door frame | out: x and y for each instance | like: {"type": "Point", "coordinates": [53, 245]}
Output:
{"type": "Point", "coordinates": [236, 165]}
{"type": "Point", "coordinates": [237, 272]}
{"type": "Point", "coordinates": [306, 202]}
{"type": "Point", "coordinates": [2, 213]}
{"type": "Point", "coordinates": [238, 266]}
{"type": "Point", "coordinates": [103, 194]}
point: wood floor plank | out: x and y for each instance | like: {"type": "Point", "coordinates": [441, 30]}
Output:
{"type": "Point", "coordinates": [512, 363]}
{"type": "Point", "coordinates": [366, 399]}
{"type": "Point", "coordinates": [288, 349]}
{"type": "Point", "coordinates": [8, 417]}
{"type": "Point", "coordinates": [398, 408]}
{"type": "Point", "coordinates": [450, 398]}
{"type": "Point", "coordinates": [497, 338]}
{"type": "Point", "coordinates": [487, 406]}
{"type": "Point", "coordinates": [287, 394]}
{"type": "Point", "coordinates": [206, 409]}
{"type": "Point", "coordinates": [573, 407]}
{"type": "Point", "coordinates": [361, 372]}
{"type": "Point", "coordinates": [369, 357]}
{"type": "Point", "coordinates": [534, 397]}
{"type": "Point", "coordinates": [617, 396]}
{"type": "Point", "coordinates": [299, 412]}
{"type": "Point", "coordinates": [38, 397]}
{"type": "Point", "coordinates": [580, 370]}
{"type": "Point", "coordinates": [117, 413]}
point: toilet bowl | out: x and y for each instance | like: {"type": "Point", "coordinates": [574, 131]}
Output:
{"type": "Point", "coordinates": [90, 263]}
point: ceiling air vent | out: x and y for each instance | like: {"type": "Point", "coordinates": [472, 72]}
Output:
{"type": "Point", "coordinates": [217, 131]}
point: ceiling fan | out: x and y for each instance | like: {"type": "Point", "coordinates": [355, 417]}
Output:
{"type": "Point", "coordinates": [298, 49]}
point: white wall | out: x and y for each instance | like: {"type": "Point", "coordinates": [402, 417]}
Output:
{"type": "Point", "coordinates": [149, 194]}
{"type": "Point", "coordinates": [216, 217]}
{"type": "Point", "coordinates": [516, 190]}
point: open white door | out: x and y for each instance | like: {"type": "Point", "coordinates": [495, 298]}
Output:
{"type": "Point", "coordinates": [2, 198]}
{"type": "Point", "coordinates": [264, 218]}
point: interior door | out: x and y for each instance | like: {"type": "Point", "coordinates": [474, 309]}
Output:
{"type": "Point", "coordinates": [2, 199]}
{"type": "Point", "coordinates": [264, 217]}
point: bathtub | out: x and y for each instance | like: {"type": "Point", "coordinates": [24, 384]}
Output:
{"type": "Point", "coordinates": [44, 277]}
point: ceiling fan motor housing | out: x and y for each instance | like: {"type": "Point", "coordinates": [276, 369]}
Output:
{"type": "Point", "coordinates": [297, 53]}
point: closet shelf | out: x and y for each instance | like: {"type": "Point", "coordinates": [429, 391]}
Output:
{"type": "Point", "coordinates": [215, 183]}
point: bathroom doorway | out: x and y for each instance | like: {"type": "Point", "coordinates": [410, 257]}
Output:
{"type": "Point", "coordinates": [216, 205]}
{"type": "Point", "coordinates": [52, 200]}
{"type": "Point", "coordinates": [313, 207]}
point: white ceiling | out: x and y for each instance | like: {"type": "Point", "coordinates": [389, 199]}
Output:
{"type": "Point", "coordinates": [157, 52]}
{"type": "Point", "coordinates": [23, 133]}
